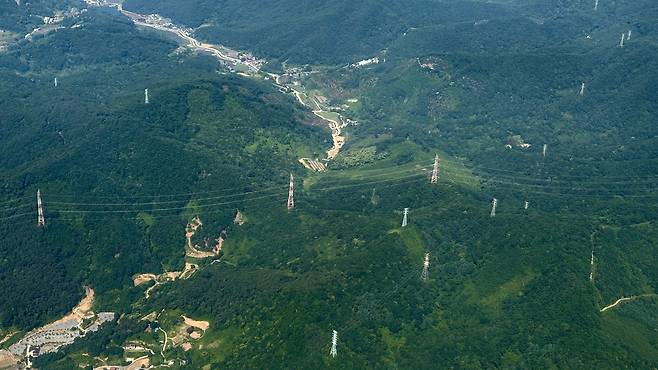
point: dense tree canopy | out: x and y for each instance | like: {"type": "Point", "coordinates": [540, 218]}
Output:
{"type": "Point", "coordinates": [471, 80]}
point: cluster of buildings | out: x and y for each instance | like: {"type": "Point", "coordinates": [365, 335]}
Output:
{"type": "Point", "coordinates": [52, 337]}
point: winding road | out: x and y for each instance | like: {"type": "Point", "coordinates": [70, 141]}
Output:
{"type": "Point", "coordinates": [627, 299]}
{"type": "Point", "coordinates": [184, 35]}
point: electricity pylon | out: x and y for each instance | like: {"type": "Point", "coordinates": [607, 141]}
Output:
{"type": "Point", "coordinates": [405, 217]}
{"type": "Point", "coordinates": [435, 171]}
{"type": "Point", "coordinates": [146, 96]}
{"type": "Point", "coordinates": [334, 342]}
{"type": "Point", "coordinates": [291, 193]}
{"type": "Point", "coordinates": [41, 221]}
{"type": "Point", "coordinates": [591, 269]}
{"type": "Point", "coordinates": [494, 204]}
{"type": "Point", "coordinates": [426, 265]}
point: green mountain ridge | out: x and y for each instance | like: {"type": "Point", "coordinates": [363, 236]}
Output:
{"type": "Point", "coordinates": [121, 179]}
{"type": "Point", "coordinates": [92, 136]}
{"type": "Point", "coordinates": [333, 32]}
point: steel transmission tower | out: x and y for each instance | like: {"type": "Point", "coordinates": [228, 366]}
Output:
{"type": "Point", "coordinates": [41, 221]}
{"type": "Point", "coordinates": [591, 269]}
{"type": "Point", "coordinates": [426, 266]}
{"type": "Point", "coordinates": [435, 171]}
{"type": "Point", "coordinates": [405, 217]}
{"type": "Point", "coordinates": [494, 204]}
{"type": "Point", "coordinates": [334, 342]}
{"type": "Point", "coordinates": [291, 193]}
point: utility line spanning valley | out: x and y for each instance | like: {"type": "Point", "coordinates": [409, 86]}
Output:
{"type": "Point", "coordinates": [461, 172]}
{"type": "Point", "coordinates": [388, 176]}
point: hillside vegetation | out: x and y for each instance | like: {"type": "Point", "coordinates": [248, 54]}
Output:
{"type": "Point", "coordinates": [483, 84]}
{"type": "Point", "coordinates": [92, 140]}
{"type": "Point", "coordinates": [314, 31]}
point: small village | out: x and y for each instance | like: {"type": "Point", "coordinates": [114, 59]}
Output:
{"type": "Point", "coordinates": [51, 337]}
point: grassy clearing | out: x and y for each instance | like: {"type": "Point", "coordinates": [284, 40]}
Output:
{"type": "Point", "coordinates": [326, 248]}
{"type": "Point", "coordinates": [401, 161]}
{"type": "Point", "coordinates": [146, 218]}
{"type": "Point", "coordinates": [332, 116]}
{"type": "Point", "coordinates": [242, 68]}
{"type": "Point", "coordinates": [414, 243]}
{"type": "Point", "coordinates": [511, 288]}
{"type": "Point", "coordinates": [216, 345]}
{"type": "Point", "coordinates": [236, 250]}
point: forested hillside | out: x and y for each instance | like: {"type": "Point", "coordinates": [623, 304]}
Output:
{"type": "Point", "coordinates": [92, 139]}
{"type": "Point", "coordinates": [28, 15]}
{"type": "Point", "coordinates": [539, 237]}
{"type": "Point", "coordinates": [322, 32]}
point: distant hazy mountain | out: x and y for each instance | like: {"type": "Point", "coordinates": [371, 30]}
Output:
{"type": "Point", "coordinates": [315, 31]}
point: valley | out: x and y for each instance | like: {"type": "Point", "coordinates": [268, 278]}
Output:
{"type": "Point", "coordinates": [239, 62]}
{"type": "Point", "coordinates": [474, 207]}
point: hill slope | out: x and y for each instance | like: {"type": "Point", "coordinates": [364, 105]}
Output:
{"type": "Point", "coordinates": [524, 288]}
{"type": "Point", "coordinates": [91, 140]}
{"type": "Point", "coordinates": [322, 32]}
